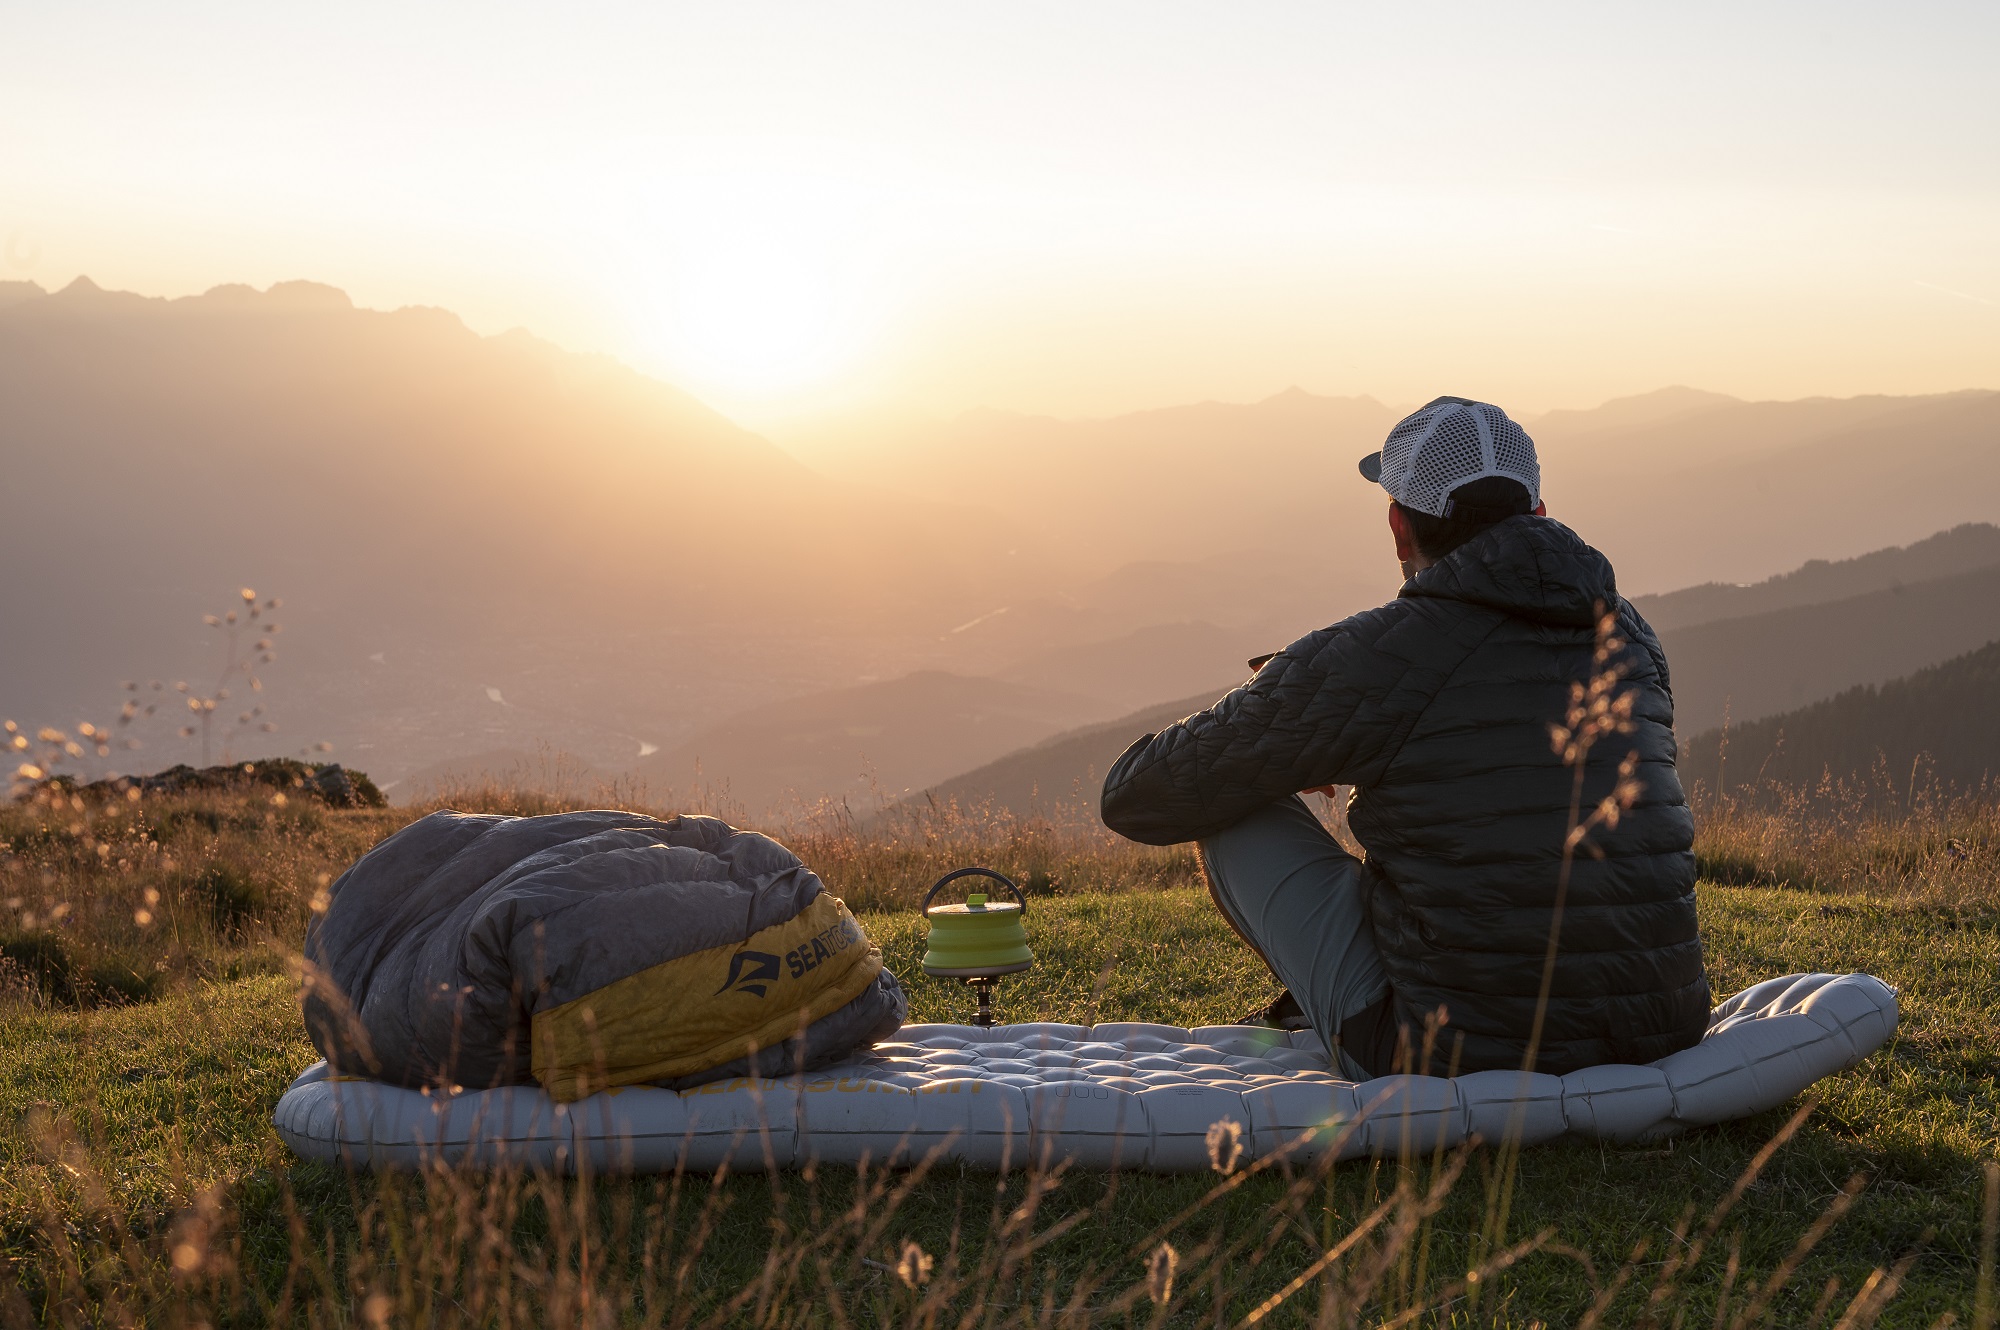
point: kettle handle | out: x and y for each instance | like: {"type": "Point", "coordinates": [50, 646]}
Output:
{"type": "Point", "coordinates": [956, 874]}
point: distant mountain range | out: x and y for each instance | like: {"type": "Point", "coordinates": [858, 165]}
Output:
{"type": "Point", "coordinates": [1741, 491]}
{"type": "Point", "coordinates": [451, 518]}
{"type": "Point", "coordinates": [1948, 553]}
{"type": "Point", "coordinates": [1766, 663]}
{"type": "Point", "coordinates": [1064, 773]}
{"type": "Point", "coordinates": [1802, 636]}
{"type": "Point", "coordinates": [1947, 715]}
{"type": "Point", "coordinates": [1678, 487]}
{"type": "Point", "coordinates": [1165, 660]}
{"type": "Point", "coordinates": [488, 545]}
{"type": "Point", "coordinates": [866, 745]}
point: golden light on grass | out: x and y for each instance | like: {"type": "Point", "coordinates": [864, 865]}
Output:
{"type": "Point", "coordinates": [914, 1266]}
{"type": "Point", "coordinates": [1278, 1242]}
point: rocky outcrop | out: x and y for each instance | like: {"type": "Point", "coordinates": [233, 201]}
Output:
{"type": "Point", "coordinates": [328, 782]}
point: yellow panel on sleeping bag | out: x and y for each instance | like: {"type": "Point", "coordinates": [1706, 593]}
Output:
{"type": "Point", "coordinates": [700, 1010]}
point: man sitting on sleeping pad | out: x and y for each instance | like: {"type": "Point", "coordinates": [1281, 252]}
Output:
{"type": "Point", "coordinates": [1438, 710]}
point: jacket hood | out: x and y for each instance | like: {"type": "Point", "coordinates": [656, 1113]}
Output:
{"type": "Point", "coordinates": [1531, 568]}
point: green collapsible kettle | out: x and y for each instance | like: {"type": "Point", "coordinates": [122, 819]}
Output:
{"type": "Point", "coordinates": [979, 940]}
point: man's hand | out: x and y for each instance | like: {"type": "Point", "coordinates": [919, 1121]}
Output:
{"type": "Point", "coordinates": [1330, 791]}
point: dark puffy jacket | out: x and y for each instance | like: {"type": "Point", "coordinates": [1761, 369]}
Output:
{"type": "Point", "coordinates": [1437, 707]}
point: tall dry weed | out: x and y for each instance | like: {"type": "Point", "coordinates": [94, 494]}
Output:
{"type": "Point", "coordinates": [1894, 835]}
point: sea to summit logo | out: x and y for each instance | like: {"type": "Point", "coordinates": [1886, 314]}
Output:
{"type": "Point", "coordinates": [750, 972]}
{"type": "Point", "coordinates": [822, 946]}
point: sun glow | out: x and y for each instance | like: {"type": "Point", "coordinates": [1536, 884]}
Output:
{"type": "Point", "coordinates": [756, 315]}
{"type": "Point", "coordinates": [799, 215]}
{"type": "Point", "coordinates": [772, 286]}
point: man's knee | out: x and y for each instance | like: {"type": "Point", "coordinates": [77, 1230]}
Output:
{"type": "Point", "coordinates": [1267, 848]}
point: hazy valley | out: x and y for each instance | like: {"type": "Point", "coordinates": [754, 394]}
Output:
{"type": "Point", "coordinates": [498, 555]}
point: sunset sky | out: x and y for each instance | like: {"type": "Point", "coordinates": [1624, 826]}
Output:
{"type": "Point", "coordinates": [826, 213]}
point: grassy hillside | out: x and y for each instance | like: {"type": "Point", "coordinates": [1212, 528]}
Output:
{"type": "Point", "coordinates": [1944, 720]}
{"type": "Point", "coordinates": [140, 1181]}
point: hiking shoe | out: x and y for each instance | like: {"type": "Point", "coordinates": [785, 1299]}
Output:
{"type": "Point", "coordinates": [1282, 1012]}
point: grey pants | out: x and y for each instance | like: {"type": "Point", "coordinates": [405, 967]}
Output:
{"type": "Point", "coordinates": [1286, 884]}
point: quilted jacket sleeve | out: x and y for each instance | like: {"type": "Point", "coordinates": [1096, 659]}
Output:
{"type": "Point", "coordinates": [1329, 709]}
{"type": "Point", "coordinates": [1635, 628]}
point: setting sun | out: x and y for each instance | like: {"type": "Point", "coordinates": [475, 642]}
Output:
{"type": "Point", "coordinates": [752, 312]}
{"type": "Point", "coordinates": [753, 286]}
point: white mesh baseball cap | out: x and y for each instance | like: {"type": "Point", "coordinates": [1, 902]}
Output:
{"type": "Point", "coordinates": [1447, 443]}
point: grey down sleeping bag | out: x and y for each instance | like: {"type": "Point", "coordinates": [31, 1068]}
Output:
{"type": "Point", "coordinates": [588, 950]}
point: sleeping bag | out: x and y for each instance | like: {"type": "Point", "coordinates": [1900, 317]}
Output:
{"type": "Point", "coordinates": [588, 950]}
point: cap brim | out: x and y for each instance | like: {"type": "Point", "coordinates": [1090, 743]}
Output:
{"type": "Point", "coordinates": [1371, 467]}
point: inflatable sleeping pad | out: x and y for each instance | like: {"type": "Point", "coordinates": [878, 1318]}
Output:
{"type": "Point", "coordinates": [1104, 1096]}
{"type": "Point", "coordinates": [586, 951]}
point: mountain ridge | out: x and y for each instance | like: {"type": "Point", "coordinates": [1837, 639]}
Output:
{"type": "Point", "coordinates": [1963, 548]}
{"type": "Point", "coordinates": [1764, 664]}
{"type": "Point", "coordinates": [859, 743]}
{"type": "Point", "coordinates": [1939, 723]}
{"type": "Point", "coordinates": [1061, 774]}
{"type": "Point", "coordinates": [451, 515]}
{"type": "Point", "coordinates": [1750, 667]}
